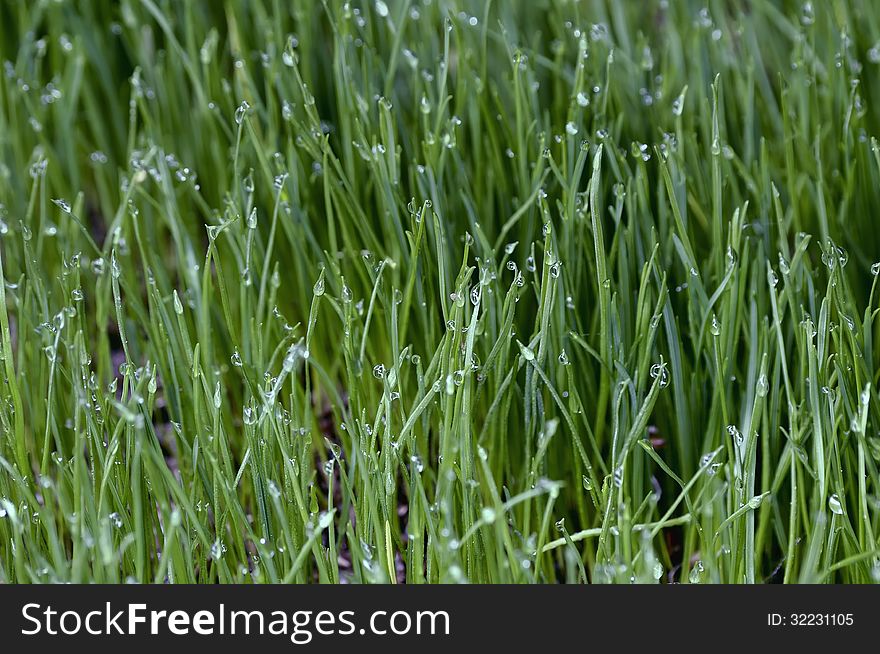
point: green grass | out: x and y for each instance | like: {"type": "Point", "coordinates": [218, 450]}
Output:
{"type": "Point", "coordinates": [439, 291]}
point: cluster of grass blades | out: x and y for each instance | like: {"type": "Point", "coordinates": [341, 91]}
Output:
{"type": "Point", "coordinates": [439, 291]}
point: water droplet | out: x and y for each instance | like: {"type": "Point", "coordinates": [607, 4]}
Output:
{"type": "Point", "coordinates": [62, 204]}
{"type": "Point", "coordinates": [678, 105]}
{"type": "Point", "coordinates": [808, 17]}
{"type": "Point", "coordinates": [381, 8]}
{"type": "Point", "coordinates": [583, 99]}
{"type": "Point", "coordinates": [658, 371]}
{"type": "Point", "coordinates": [318, 288]}
{"type": "Point", "coordinates": [657, 570]}
{"type": "Point", "coordinates": [236, 359]}
{"type": "Point", "coordinates": [783, 265]}
{"type": "Point", "coordinates": [571, 129]}
{"type": "Point", "coordinates": [835, 505]}
{"type": "Point", "coordinates": [762, 386]}
{"type": "Point", "coordinates": [696, 574]}
{"type": "Point", "coordinates": [252, 219]}
{"type": "Point", "coordinates": [715, 326]}
{"type": "Point", "coordinates": [647, 58]}
{"type": "Point", "coordinates": [829, 257]}
{"type": "Point", "coordinates": [732, 257]}
{"type": "Point", "coordinates": [639, 150]}
{"type": "Point", "coordinates": [38, 169]}
{"type": "Point", "coordinates": [379, 371]}
{"type": "Point", "coordinates": [287, 107]}
{"type": "Point", "coordinates": [241, 111]}
{"type": "Point", "coordinates": [249, 415]}
{"type": "Point", "coordinates": [735, 434]}
{"type": "Point", "coordinates": [563, 358]}
{"type": "Point", "coordinates": [294, 354]}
